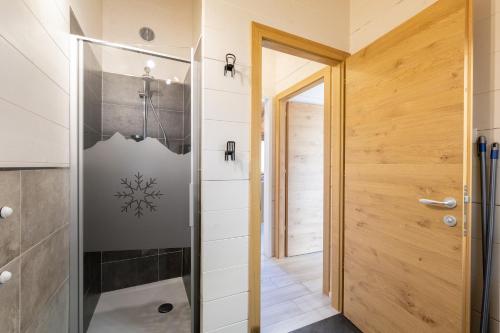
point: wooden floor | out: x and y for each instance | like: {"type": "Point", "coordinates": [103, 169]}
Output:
{"type": "Point", "coordinates": [291, 295]}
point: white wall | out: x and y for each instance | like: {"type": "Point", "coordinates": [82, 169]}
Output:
{"type": "Point", "coordinates": [172, 22]}
{"type": "Point", "coordinates": [226, 116]}
{"type": "Point", "coordinates": [370, 19]}
{"type": "Point", "coordinates": [487, 121]}
{"type": "Point", "coordinates": [34, 90]}
{"type": "Point", "coordinates": [89, 15]}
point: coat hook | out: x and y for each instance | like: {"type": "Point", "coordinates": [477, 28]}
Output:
{"type": "Point", "coordinates": [230, 62]}
{"type": "Point", "coordinates": [230, 151]}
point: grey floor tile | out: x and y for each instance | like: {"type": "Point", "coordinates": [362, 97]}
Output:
{"type": "Point", "coordinates": [337, 324]}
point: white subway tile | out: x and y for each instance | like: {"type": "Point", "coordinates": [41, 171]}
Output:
{"type": "Point", "coordinates": [494, 325]}
{"type": "Point", "coordinates": [28, 140]}
{"type": "Point", "coordinates": [48, 13]}
{"type": "Point", "coordinates": [217, 133]}
{"type": "Point", "coordinates": [21, 28]}
{"type": "Point", "coordinates": [486, 34]}
{"type": "Point", "coordinates": [486, 72]}
{"type": "Point", "coordinates": [485, 8]}
{"type": "Point", "coordinates": [219, 42]}
{"type": "Point", "coordinates": [224, 224]}
{"type": "Point", "coordinates": [241, 327]}
{"type": "Point", "coordinates": [225, 282]}
{"type": "Point", "coordinates": [224, 195]}
{"type": "Point", "coordinates": [224, 253]}
{"type": "Point", "coordinates": [213, 77]}
{"type": "Point", "coordinates": [476, 281]}
{"type": "Point", "coordinates": [64, 7]}
{"type": "Point", "coordinates": [486, 110]}
{"type": "Point", "coordinates": [216, 168]}
{"type": "Point", "coordinates": [225, 311]}
{"type": "Point", "coordinates": [222, 105]}
{"type": "Point", "coordinates": [492, 135]}
{"type": "Point", "coordinates": [476, 223]}
{"type": "Point", "coordinates": [234, 14]}
{"type": "Point", "coordinates": [25, 85]}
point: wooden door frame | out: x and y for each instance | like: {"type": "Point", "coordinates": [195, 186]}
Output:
{"type": "Point", "coordinates": [280, 220]}
{"type": "Point", "coordinates": [265, 36]}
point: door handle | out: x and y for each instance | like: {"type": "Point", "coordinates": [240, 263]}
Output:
{"type": "Point", "coordinates": [446, 203]}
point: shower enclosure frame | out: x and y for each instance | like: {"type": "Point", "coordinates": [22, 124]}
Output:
{"type": "Point", "coordinates": [76, 177]}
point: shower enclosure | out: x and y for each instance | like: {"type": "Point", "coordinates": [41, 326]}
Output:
{"type": "Point", "coordinates": [135, 190]}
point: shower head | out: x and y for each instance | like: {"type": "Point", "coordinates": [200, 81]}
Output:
{"type": "Point", "coordinates": [147, 74]}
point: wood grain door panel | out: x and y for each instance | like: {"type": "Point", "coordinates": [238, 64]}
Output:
{"type": "Point", "coordinates": [404, 134]}
{"type": "Point", "coordinates": [304, 181]}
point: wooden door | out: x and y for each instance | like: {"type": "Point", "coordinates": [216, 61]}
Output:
{"type": "Point", "coordinates": [406, 121]}
{"type": "Point", "coordinates": [304, 178]}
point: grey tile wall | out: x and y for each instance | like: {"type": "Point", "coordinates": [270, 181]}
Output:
{"type": "Point", "coordinates": [187, 113]}
{"type": "Point", "coordinates": [123, 269]}
{"type": "Point", "coordinates": [43, 271]}
{"type": "Point", "coordinates": [45, 204]}
{"type": "Point", "coordinates": [55, 317]}
{"type": "Point", "coordinates": [91, 285]}
{"type": "Point", "coordinates": [9, 294]}
{"type": "Point", "coordinates": [186, 271]}
{"type": "Point", "coordinates": [10, 235]}
{"type": "Point", "coordinates": [92, 97]}
{"type": "Point", "coordinates": [92, 133]}
{"type": "Point", "coordinates": [122, 109]}
{"type": "Point", "coordinates": [35, 299]}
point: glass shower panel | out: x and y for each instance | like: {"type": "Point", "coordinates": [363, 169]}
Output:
{"type": "Point", "coordinates": [135, 175]}
{"type": "Point", "coordinates": [136, 196]}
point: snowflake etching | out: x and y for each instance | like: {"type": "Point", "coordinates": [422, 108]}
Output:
{"type": "Point", "coordinates": [139, 194]}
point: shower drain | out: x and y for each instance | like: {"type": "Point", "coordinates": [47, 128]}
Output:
{"type": "Point", "coordinates": [165, 308]}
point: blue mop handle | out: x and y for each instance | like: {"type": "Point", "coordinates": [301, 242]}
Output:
{"type": "Point", "coordinates": [494, 151]}
{"type": "Point", "coordinates": [481, 144]}
{"type": "Point", "coordinates": [481, 151]}
{"type": "Point", "coordinates": [485, 313]}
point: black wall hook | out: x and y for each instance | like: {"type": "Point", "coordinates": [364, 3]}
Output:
{"type": "Point", "coordinates": [230, 62]}
{"type": "Point", "coordinates": [230, 151]}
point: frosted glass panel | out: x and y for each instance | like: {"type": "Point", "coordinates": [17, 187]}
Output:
{"type": "Point", "coordinates": [136, 196]}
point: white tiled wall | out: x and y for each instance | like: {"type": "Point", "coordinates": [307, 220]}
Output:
{"type": "Point", "coordinates": [34, 91]}
{"type": "Point", "coordinates": [226, 28]}
{"type": "Point", "coordinates": [487, 121]}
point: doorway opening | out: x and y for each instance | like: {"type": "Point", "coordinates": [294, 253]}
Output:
{"type": "Point", "coordinates": [295, 264]}
{"type": "Point", "coordinates": [295, 215]}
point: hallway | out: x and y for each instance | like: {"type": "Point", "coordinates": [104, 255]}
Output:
{"type": "Point", "coordinates": [291, 295]}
